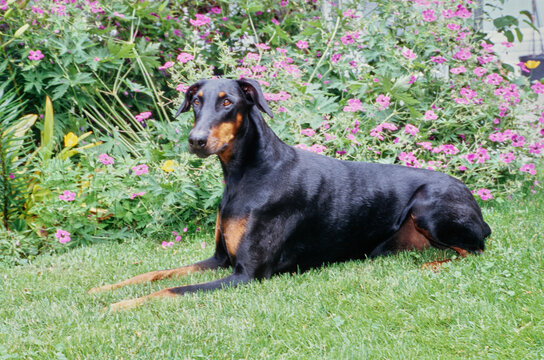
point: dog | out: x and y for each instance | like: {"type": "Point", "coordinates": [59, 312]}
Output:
{"type": "Point", "coordinates": [285, 209]}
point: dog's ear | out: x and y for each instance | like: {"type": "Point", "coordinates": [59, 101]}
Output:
{"type": "Point", "coordinates": [191, 91]}
{"type": "Point", "coordinates": [254, 94]}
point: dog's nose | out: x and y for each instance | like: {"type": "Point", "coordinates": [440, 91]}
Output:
{"type": "Point", "coordinates": [198, 140]}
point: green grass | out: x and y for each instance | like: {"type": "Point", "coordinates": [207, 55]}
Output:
{"type": "Point", "coordinates": [489, 306]}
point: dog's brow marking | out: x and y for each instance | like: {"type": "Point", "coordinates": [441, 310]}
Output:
{"type": "Point", "coordinates": [222, 94]}
{"type": "Point", "coordinates": [200, 93]}
{"type": "Point", "coordinates": [233, 231]}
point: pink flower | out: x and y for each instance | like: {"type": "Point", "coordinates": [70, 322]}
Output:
{"type": "Point", "coordinates": [166, 244]}
{"type": "Point", "coordinates": [35, 55]}
{"type": "Point", "coordinates": [301, 44]}
{"type": "Point", "coordinates": [140, 169]}
{"type": "Point", "coordinates": [507, 44]}
{"type": "Point", "coordinates": [203, 244]}
{"type": "Point", "coordinates": [63, 236]}
{"type": "Point", "coordinates": [349, 38]}
{"type": "Point", "coordinates": [538, 87]}
{"type": "Point", "coordinates": [383, 102]}
{"type": "Point", "coordinates": [335, 58]}
{"type": "Point", "coordinates": [463, 12]}
{"type": "Point", "coordinates": [453, 27]}
{"type": "Point", "coordinates": [458, 70]}
{"type": "Point", "coordinates": [462, 54]}
{"type": "Point", "coordinates": [185, 57]}
{"type": "Point", "coordinates": [507, 158]}
{"type": "Point", "coordinates": [182, 88]}
{"type": "Point", "coordinates": [529, 168]}
{"type": "Point", "coordinates": [430, 115]}
{"type": "Point", "coordinates": [523, 67]}
{"type": "Point", "coordinates": [411, 129]}
{"type": "Point", "coordinates": [426, 145]}
{"type": "Point", "coordinates": [178, 238]}
{"type": "Point", "coordinates": [409, 54]}
{"type": "Point", "coordinates": [480, 156]}
{"type": "Point", "coordinates": [142, 116]}
{"type": "Point", "coordinates": [67, 196]}
{"type": "Point", "coordinates": [307, 132]}
{"type": "Point", "coordinates": [275, 21]}
{"type": "Point", "coordinates": [215, 10]}
{"type": "Point", "coordinates": [429, 15]}
{"type": "Point", "coordinates": [135, 195]}
{"type": "Point", "coordinates": [354, 105]}
{"type": "Point", "coordinates": [438, 59]}
{"type": "Point", "coordinates": [200, 20]}
{"type": "Point", "coordinates": [485, 194]}
{"type": "Point", "coordinates": [105, 159]}
{"type": "Point", "coordinates": [316, 148]}
{"type": "Point", "coordinates": [494, 79]}
{"type": "Point", "coordinates": [262, 46]}
{"type": "Point", "coordinates": [479, 71]}
{"type": "Point", "coordinates": [185, 229]}
{"type": "Point", "coordinates": [409, 159]}
{"type": "Point", "coordinates": [166, 65]}
{"type": "Point", "coordinates": [11, 176]}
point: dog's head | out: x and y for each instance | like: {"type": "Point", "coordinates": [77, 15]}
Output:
{"type": "Point", "coordinates": [220, 107]}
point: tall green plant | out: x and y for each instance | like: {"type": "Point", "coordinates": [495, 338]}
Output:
{"type": "Point", "coordinates": [15, 147]}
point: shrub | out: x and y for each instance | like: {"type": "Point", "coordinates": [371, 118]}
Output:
{"type": "Point", "coordinates": [404, 82]}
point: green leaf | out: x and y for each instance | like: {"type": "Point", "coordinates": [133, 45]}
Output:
{"type": "Point", "coordinates": [48, 125]}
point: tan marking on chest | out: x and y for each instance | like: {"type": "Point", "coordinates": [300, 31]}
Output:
{"type": "Point", "coordinates": [233, 231]}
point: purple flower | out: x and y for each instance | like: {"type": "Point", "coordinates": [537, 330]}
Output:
{"type": "Point", "coordinates": [409, 54]}
{"type": "Point", "coordinates": [215, 10]}
{"type": "Point", "coordinates": [438, 59]}
{"type": "Point", "coordinates": [479, 71]}
{"type": "Point", "coordinates": [458, 70]}
{"type": "Point", "coordinates": [494, 79]}
{"type": "Point", "coordinates": [336, 57]}
{"type": "Point", "coordinates": [166, 65]}
{"type": "Point", "coordinates": [507, 158]}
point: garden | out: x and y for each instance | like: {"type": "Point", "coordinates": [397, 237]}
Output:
{"type": "Point", "coordinates": [97, 185]}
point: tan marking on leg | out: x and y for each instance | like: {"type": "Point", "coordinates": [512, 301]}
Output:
{"type": "Point", "coordinates": [217, 228]}
{"type": "Point", "coordinates": [222, 94]}
{"type": "Point", "coordinates": [150, 276]}
{"type": "Point", "coordinates": [462, 252]}
{"type": "Point", "coordinates": [132, 303]}
{"type": "Point", "coordinates": [409, 238]}
{"type": "Point", "coordinates": [200, 93]}
{"type": "Point", "coordinates": [434, 265]}
{"type": "Point", "coordinates": [233, 231]}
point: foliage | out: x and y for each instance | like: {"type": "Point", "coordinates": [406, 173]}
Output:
{"type": "Point", "coordinates": [405, 82]}
{"type": "Point", "coordinates": [15, 149]}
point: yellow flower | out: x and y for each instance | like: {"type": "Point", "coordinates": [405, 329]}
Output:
{"type": "Point", "coordinates": [70, 140]}
{"type": "Point", "coordinates": [532, 64]}
{"type": "Point", "coordinates": [169, 165]}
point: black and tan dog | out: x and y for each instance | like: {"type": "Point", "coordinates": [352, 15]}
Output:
{"type": "Point", "coordinates": [286, 209]}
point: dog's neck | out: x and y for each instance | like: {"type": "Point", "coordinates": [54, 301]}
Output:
{"type": "Point", "coordinates": [255, 144]}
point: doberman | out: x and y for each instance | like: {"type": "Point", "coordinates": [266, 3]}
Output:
{"type": "Point", "coordinates": [286, 209]}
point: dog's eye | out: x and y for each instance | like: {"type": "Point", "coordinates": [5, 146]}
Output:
{"type": "Point", "coordinates": [196, 102]}
{"type": "Point", "coordinates": [226, 102]}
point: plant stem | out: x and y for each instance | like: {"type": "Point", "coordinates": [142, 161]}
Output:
{"type": "Point", "coordinates": [330, 42]}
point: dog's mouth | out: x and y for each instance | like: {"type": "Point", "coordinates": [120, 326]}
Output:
{"type": "Point", "coordinates": [207, 150]}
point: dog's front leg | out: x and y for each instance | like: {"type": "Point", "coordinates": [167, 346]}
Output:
{"type": "Point", "coordinates": [231, 280]}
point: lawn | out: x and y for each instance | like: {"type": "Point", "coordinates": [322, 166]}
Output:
{"type": "Point", "coordinates": [489, 306]}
